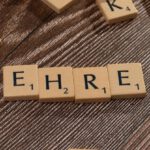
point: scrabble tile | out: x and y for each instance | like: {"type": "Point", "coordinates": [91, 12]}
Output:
{"type": "Point", "coordinates": [91, 84]}
{"type": "Point", "coordinates": [58, 5]}
{"type": "Point", "coordinates": [20, 82]}
{"type": "Point", "coordinates": [126, 80]}
{"type": "Point", "coordinates": [56, 84]}
{"type": "Point", "coordinates": [117, 10]}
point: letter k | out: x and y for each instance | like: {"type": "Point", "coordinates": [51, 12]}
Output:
{"type": "Point", "coordinates": [112, 5]}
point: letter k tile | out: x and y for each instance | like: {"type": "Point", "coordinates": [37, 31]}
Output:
{"type": "Point", "coordinates": [117, 10]}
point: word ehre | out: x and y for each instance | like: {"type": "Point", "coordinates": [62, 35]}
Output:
{"type": "Point", "coordinates": [95, 84]}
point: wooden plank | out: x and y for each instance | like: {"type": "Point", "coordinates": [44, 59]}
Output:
{"type": "Point", "coordinates": [19, 19]}
{"type": "Point", "coordinates": [53, 36]}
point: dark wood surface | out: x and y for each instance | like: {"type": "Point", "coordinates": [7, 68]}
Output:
{"type": "Point", "coordinates": [31, 33]}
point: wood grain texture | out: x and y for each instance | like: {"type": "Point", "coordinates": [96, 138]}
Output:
{"type": "Point", "coordinates": [31, 33]}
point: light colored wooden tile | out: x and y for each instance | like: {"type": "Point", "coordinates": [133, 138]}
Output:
{"type": "Point", "coordinates": [58, 5]}
{"type": "Point", "coordinates": [126, 80]}
{"type": "Point", "coordinates": [117, 10]}
{"type": "Point", "coordinates": [20, 82]}
{"type": "Point", "coordinates": [56, 84]}
{"type": "Point", "coordinates": [91, 84]}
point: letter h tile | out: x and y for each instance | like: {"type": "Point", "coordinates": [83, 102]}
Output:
{"type": "Point", "coordinates": [56, 84]}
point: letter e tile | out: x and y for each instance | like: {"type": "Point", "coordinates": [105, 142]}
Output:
{"type": "Point", "coordinates": [20, 82]}
{"type": "Point", "coordinates": [126, 80]}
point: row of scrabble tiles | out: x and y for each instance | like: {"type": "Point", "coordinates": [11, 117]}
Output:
{"type": "Point", "coordinates": [93, 84]}
{"type": "Point", "coordinates": [113, 10]}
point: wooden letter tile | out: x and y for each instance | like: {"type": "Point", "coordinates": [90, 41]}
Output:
{"type": "Point", "coordinates": [58, 5]}
{"type": "Point", "coordinates": [117, 10]}
{"type": "Point", "coordinates": [56, 84]}
{"type": "Point", "coordinates": [91, 84]}
{"type": "Point", "coordinates": [20, 82]}
{"type": "Point", "coordinates": [126, 80]}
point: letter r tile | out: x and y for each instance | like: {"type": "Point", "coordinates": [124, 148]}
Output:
{"type": "Point", "coordinates": [56, 84]}
{"type": "Point", "coordinates": [91, 84]}
{"type": "Point", "coordinates": [117, 10]}
{"type": "Point", "coordinates": [20, 82]}
{"type": "Point", "coordinates": [126, 80]}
